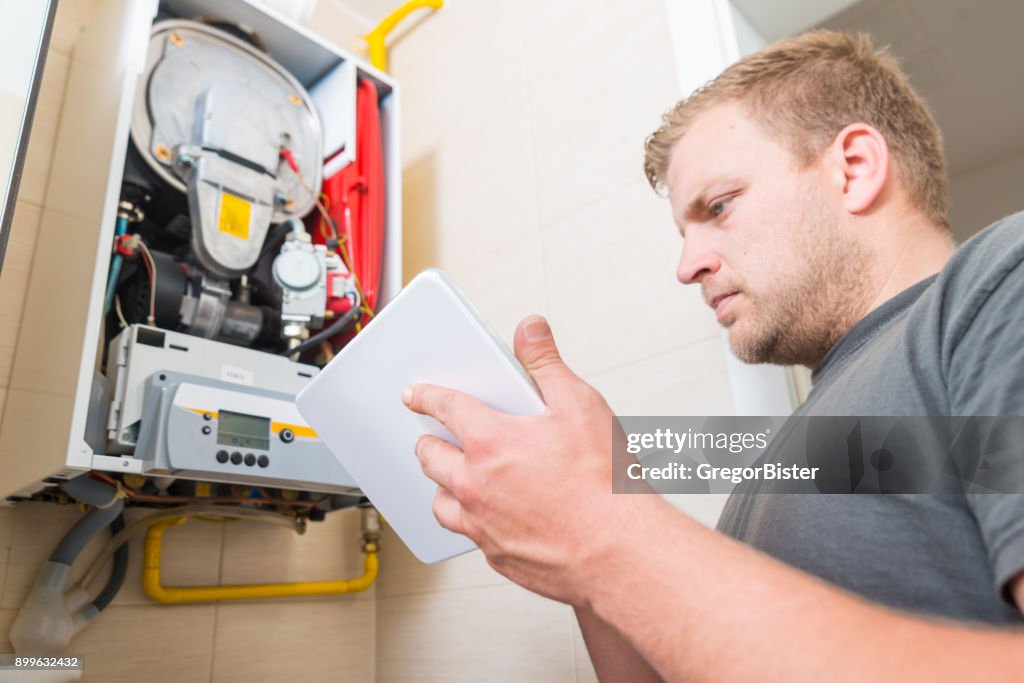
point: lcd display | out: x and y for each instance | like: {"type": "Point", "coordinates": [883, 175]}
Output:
{"type": "Point", "coordinates": [243, 431]}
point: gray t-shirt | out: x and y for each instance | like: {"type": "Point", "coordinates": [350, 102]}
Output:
{"type": "Point", "coordinates": [950, 345]}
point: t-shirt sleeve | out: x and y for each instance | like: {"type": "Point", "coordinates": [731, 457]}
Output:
{"type": "Point", "coordinates": [985, 377]}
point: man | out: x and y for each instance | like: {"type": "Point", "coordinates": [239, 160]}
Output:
{"type": "Point", "coordinates": [809, 185]}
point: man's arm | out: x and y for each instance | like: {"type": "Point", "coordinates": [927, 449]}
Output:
{"type": "Point", "coordinates": [729, 612]}
{"type": "Point", "coordinates": [535, 493]}
{"type": "Point", "coordinates": [613, 657]}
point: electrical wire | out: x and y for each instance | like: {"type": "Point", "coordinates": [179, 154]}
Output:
{"type": "Point", "coordinates": [151, 269]}
{"type": "Point", "coordinates": [327, 350]}
{"type": "Point", "coordinates": [287, 155]}
{"type": "Point", "coordinates": [119, 312]}
{"type": "Point", "coordinates": [337, 327]}
{"type": "Point", "coordinates": [186, 511]}
{"type": "Point", "coordinates": [152, 498]}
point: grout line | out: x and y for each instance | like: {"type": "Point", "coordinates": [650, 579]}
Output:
{"type": "Point", "coordinates": [357, 16]}
{"type": "Point", "coordinates": [217, 605]}
{"type": "Point", "coordinates": [7, 570]}
{"type": "Point", "coordinates": [591, 376]}
{"type": "Point", "coordinates": [458, 589]}
{"type": "Point", "coordinates": [553, 224]}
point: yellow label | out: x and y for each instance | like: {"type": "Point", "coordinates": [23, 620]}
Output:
{"type": "Point", "coordinates": [234, 215]}
{"type": "Point", "coordinates": [203, 490]}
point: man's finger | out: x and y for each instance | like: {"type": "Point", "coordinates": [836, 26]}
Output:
{"type": "Point", "coordinates": [536, 350]}
{"type": "Point", "coordinates": [438, 459]}
{"type": "Point", "coordinates": [448, 511]}
{"type": "Point", "coordinates": [453, 409]}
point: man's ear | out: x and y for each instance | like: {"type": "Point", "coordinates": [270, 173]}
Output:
{"type": "Point", "coordinates": [861, 160]}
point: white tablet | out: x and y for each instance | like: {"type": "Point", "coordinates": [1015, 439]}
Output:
{"type": "Point", "coordinates": [428, 333]}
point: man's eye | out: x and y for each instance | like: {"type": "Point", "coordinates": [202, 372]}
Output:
{"type": "Point", "coordinates": [718, 208]}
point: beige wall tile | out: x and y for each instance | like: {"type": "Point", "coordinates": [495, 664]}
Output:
{"type": "Point", "coordinates": [484, 202]}
{"type": "Point", "coordinates": [4, 552]}
{"type": "Point", "coordinates": [421, 226]}
{"type": "Point", "coordinates": [191, 557]}
{"type": "Point", "coordinates": [322, 641]}
{"type": "Point", "coordinates": [156, 644]}
{"type": "Point", "coordinates": [340, 25]}
{"type": "Point", "coordinates": [687, 381]}
{"type": "Point", "coordinates": [14, 280]}
{"type": "Point", "coordinates": [609, 272]}
{"type": "Point", "coordinates": [6, 526]}
{"type": "Point", "coordinates": [564, 35]}
{"type": "Point", "coordinates": [67, 24]}
{"type": "Point", "coordinates": [458, 68]}
{"type": "Point", "coordinates": [507, 287]}
{"type": "Point", "coordinates": [39, 526]}
{"type": "Point", "coordinates": [474, 635]}
{"type": "Point", "coordinates": [595, 98]}
{"type": "Point", "coordinates": [402, 574]}
{"type": "Point", "coordinates": [48, 360]}
{"type": "Point", "coordinates": [44, 128]}
{"type": "Point", "coordinates": [6, 621]}
{"type": "Point", "coordinates": [329, 550]}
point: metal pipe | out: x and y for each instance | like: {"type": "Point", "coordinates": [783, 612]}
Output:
{"type": "Point", "coordinates": [154, 588]}
{"type": "Point", "coordinates": [115, 264]}
{"type": "Point", "coordinates": [378, 36]}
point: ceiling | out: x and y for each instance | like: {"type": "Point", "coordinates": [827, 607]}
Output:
{"type": "Point", "coordinates": [961, 55]}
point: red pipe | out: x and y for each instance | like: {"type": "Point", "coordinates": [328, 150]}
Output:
{"type": "Point", "coordinates": [356, 196]}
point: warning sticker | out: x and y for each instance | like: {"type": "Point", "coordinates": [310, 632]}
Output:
{"type": "Point", "coordinates": [234, 215]}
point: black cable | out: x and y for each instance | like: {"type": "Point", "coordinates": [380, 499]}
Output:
{"type": "Point", "coordinates": [337, 327]}
{"type": "Point", "coordinates": [117, 572]}
{"type": "Point", "coordinates": [273, 239]}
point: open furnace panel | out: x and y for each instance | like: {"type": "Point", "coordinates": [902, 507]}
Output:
{"type": "Point", "coordinates": [222, 215]}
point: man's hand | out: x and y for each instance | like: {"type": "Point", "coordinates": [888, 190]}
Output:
{"type": "Point", "coordinates": [533, 492]}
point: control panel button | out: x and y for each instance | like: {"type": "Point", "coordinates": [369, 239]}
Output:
{"type": "Point", "coordinates": [222, 456]}
{"type": "Point", "coordinates": [206, 429]}
{"type": "Point", "coordinates": [236, 458]}
{"type": "Point", "coordinates": [207, 416]}
{"type": "Point", "coordinates": [287, 435]}
{"type": "Point", "coordinates": [263, 461]}
{"type": "Point", "coordinates": [250, 459]}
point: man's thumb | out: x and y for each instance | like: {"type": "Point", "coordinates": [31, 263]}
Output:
{"type": "Point", "coordinates": [536, 350]}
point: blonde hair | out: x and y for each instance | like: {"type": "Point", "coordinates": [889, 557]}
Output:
{"type": "Point", "coordinates": [806, 89]}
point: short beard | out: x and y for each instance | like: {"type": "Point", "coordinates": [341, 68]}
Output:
{"type": "Point", "coordinates": [815, 306]}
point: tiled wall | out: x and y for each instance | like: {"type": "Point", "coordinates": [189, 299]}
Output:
{"type": "Point", "coordinates": [522, 140]}
{"type": "Point", "coordinates": [522, 137]}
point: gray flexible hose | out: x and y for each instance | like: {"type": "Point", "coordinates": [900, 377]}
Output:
{"type": "Point", "coordinates": [96, 520]}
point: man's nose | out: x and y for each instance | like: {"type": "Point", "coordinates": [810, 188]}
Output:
{"type": "Point", "coordinates": [697, 261]}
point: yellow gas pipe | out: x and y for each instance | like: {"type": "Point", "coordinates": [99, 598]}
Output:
{"type": "Point", "coordinates": [378, 36]}
{"type": "Point", "coordinates": [153, 587]}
